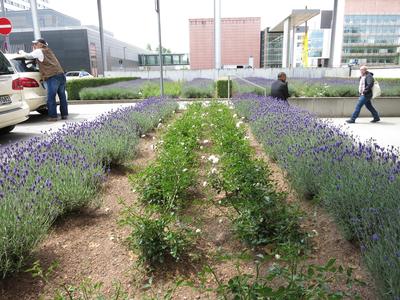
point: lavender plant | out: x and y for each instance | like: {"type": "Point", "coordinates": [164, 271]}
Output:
{"type": "Point", "coordinates": [357, 182]}
{"type": "Point", "coordinates": [62, 171]}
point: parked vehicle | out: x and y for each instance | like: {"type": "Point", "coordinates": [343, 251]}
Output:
{"type": "Point", "coordinates": [78, 75]}
{"type": "Point", "coordinates": [13, 109]}
{"type": "Point", "coordinates": [34, 89]}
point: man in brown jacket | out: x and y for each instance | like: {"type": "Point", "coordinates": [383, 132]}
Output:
{"type": "Point", "coordinates": [53, 75]}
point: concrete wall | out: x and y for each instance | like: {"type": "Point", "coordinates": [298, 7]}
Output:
{"type": "Point", "coordinates": [392, 72]}
{"type": "Point", "coordinates": [270, 73]}
{"type": "Point", "coordinates": [344, 107]}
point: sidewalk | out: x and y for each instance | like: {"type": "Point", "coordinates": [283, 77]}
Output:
{"type": "Point", "coordinates": [385, 133]}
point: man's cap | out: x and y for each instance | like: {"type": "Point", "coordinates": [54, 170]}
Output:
{"type": "Point", "coordinates": [42, 41]}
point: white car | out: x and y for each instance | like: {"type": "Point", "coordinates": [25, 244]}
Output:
{"type": "Point", "coordinates": [34, 92]}
{"type": "Point", "coordinates": [13, 109]}
{"type": "Point", "coordinates": [77, 75]}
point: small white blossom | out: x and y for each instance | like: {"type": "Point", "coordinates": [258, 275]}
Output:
{"type": "Point", "coordinates": [198, 230]}
{"type": "Point", "coordinates": [204, 183]}
{"type": "Point", "coordinates": [213, 170]}
{"type": "Point", "coordinates": [206, 142]}
{"type": "Point", "coordinates": [201, 147]}
{"type": "Point", "coordinates": [143, 135]}
{"type": "Point", "coordinates": [214, 159]}
{"type": "Point", "coordinates": [220, 221]}
{"type": "Point", "coordinates": [235, 115]}
{"type": "Point", "coordinates": [314, 232]}
{"type": "Point", "coordinates": [184, 170]}
{"type": "Point", "coordinates": [159, 125]}
{"type": "Point", "coordinates": [277, 256]}
{"type": "Point", "coordinates": [238, 124]}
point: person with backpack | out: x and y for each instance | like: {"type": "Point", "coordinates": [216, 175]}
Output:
{"type": "Point", "coordinates": [365, 90]}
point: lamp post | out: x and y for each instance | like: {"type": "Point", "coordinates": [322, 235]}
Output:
{"type": "Point", "coordinates": [157, 3]}
{"type": "Point", "coordinates": [36, 30]}
{"type": "Point", "coordinates": [124, 48]}
{"type": "Point", "coordinates": [103, 54]}
{"type": "Point", "coordinates": [6, 38]}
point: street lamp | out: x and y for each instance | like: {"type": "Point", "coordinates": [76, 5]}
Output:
{"type": "Point", "coordinates": [124, 48]}
{"type": "Point", "coordinates": [36, 30]}
{"type": "Point", "coordinates": [103, 54]}
{"type": "Point", "coordinates": [157, 3]}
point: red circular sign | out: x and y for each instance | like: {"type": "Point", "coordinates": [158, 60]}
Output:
{"type": "Point", "coordinates": [5, 26]}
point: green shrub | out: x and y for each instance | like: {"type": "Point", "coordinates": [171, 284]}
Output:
{"type": "Point", "coordinates": [75, 86]}
{"type": "Point", "coordinates": [108, 94]}
{"type": "Point", "coordinates": [156, 237]}
{"type": "Point", "coordinates": [222, 88]}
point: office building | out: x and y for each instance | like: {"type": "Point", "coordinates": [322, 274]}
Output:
{"type": "Point", "coordinates": [371, 32]}
{"type": "Point", "coordinates": [76, 46]}
{"type": "Point", "coordinates": [240, 43]}
{"type": "Point", "coordinates": [24, 4]}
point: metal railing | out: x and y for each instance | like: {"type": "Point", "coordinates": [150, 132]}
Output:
{"type": "Point", "coordinates": [247, 81]}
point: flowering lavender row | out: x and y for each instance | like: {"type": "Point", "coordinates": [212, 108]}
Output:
{"type": "Point", "coordinates": [142, 88]}
{"type": "Point", "coordinates": [358, 183]}
{"type": "Point", "coordinates": [317, 87]}
{"type": "Point", "coordinates": [45, 177]}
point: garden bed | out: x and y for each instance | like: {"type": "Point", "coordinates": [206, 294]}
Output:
{"type": "Point", "coordinates": [90, 245]}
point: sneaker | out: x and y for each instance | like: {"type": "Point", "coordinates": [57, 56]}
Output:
{"type": "Point", "coordinates": [375, 120]}
{"type": "Point", "coordinates": [51, 119]}
{"type": "Point", "coordinates": [64, 117]}
{"type": "Point", "coordinates": [350, 121]}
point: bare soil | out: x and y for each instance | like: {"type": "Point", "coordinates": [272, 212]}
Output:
{"type": "Point", "coordinates": [90, 243]}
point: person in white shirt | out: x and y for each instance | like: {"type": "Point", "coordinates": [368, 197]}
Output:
{"type": "Point", "coordinates": [53, 75]}
{"type": "Point", "coordinates": [365, 90]}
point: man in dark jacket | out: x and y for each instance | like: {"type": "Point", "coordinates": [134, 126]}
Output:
{"type": "Point", "coordinates": [279, 88]}
{"type": "Point", "coordinates": [365, 90]}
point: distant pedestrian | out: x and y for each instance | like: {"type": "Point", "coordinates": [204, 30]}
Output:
{"type": "Point", "coordinates": [53, 75]}
{"type": "Point", "coordinates": [279, 88]}
{"type": "Point", "coordinates": [365, 91]}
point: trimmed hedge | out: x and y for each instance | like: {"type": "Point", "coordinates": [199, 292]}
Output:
{"type": "Point", "coordinates": [75, 86]}
{"type": "Point", "coordinates": [222, 88]}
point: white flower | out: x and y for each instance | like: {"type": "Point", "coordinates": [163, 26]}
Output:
{"type": "Point", "coordinates": [198, 230]}
{"type": "Point", "coordinates": [204, 183]}
{"type": "Point", "coordinates": [143, 135]}
{"type": "Point", "coordinates": [314, 232]}
{"type": "Point", "coordinates": [277, 256]}
{"type": "Point", "coordinates": [201, 147]}
{"type": "Point", "coordinates": [235, 115]}
{"type": "Point", "coordinates": [203, 157]}
{"type": "Point", "coordinates": [206, 142]}
{"type": "Point", "coordinates": [213, 170]}
{"type": "Point", "coordinates": [213, 159]}
{"type": "Point", "coordinates": [154, 137]}
{"type": "Point", "coordinates": [238, 124]}
{"type": "Point", "coordinates": [220, 221]}
{"type": "Point", "coordinates": [184, 170]}
{"type": "Point", "coordinates": [159, 125]}
{"type": "Point", "coordinates": [220, 110]}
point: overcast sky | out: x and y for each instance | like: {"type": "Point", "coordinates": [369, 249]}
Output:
{"type": "Point", "coordinates": [135, 21]}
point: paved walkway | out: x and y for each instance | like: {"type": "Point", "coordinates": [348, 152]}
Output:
{"type": "Point", "coordinates": [385, 133]}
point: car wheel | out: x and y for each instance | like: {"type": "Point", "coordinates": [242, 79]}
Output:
{"type": "Point", "coordinates": [42, 111]}
{"type": "Point", "coordinates": [7, 129]}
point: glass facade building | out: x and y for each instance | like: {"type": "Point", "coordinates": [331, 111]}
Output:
{"type": "Point", "coordinates": [271, 49]}
{"type": "Point", "coordinates": [371, 39]}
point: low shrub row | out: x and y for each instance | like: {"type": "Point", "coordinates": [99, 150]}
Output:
{"type": "Point", "coordinates": [158, 233]}
{"type": "Point", "coordinates": [358, 183]}
{"type": "Point", "coordinates": [263, 216]}
{"type": "Point", "coordinates": [75, 86]}
{"type": "Point", "coordinates": [45, 177]}
{"type": "Point", "coordinates": [316, 87]}
{"type": "Point", "coordinates": [142, 89]}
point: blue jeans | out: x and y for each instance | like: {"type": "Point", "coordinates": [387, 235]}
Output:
{"type": "Point", "coordinates": [367, 102]}
{"type": "Point", "coordinates": [56, 86]}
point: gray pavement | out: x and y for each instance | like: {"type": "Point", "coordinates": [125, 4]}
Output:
{"type": "Point", "coordinates": [385, 133]}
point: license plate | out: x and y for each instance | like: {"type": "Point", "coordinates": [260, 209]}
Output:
{"type": "Point", "coordinates": [5, 100]}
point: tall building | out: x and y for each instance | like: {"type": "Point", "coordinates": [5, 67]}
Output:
{"type": "Point", "coordinates": [76, 46]}
{"type": "Point", "coordinates": [371, 32]}
{"type": "Point", "coordinates": [240, 43]}
{"type": "Point", "coordinates": [24, 4]}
